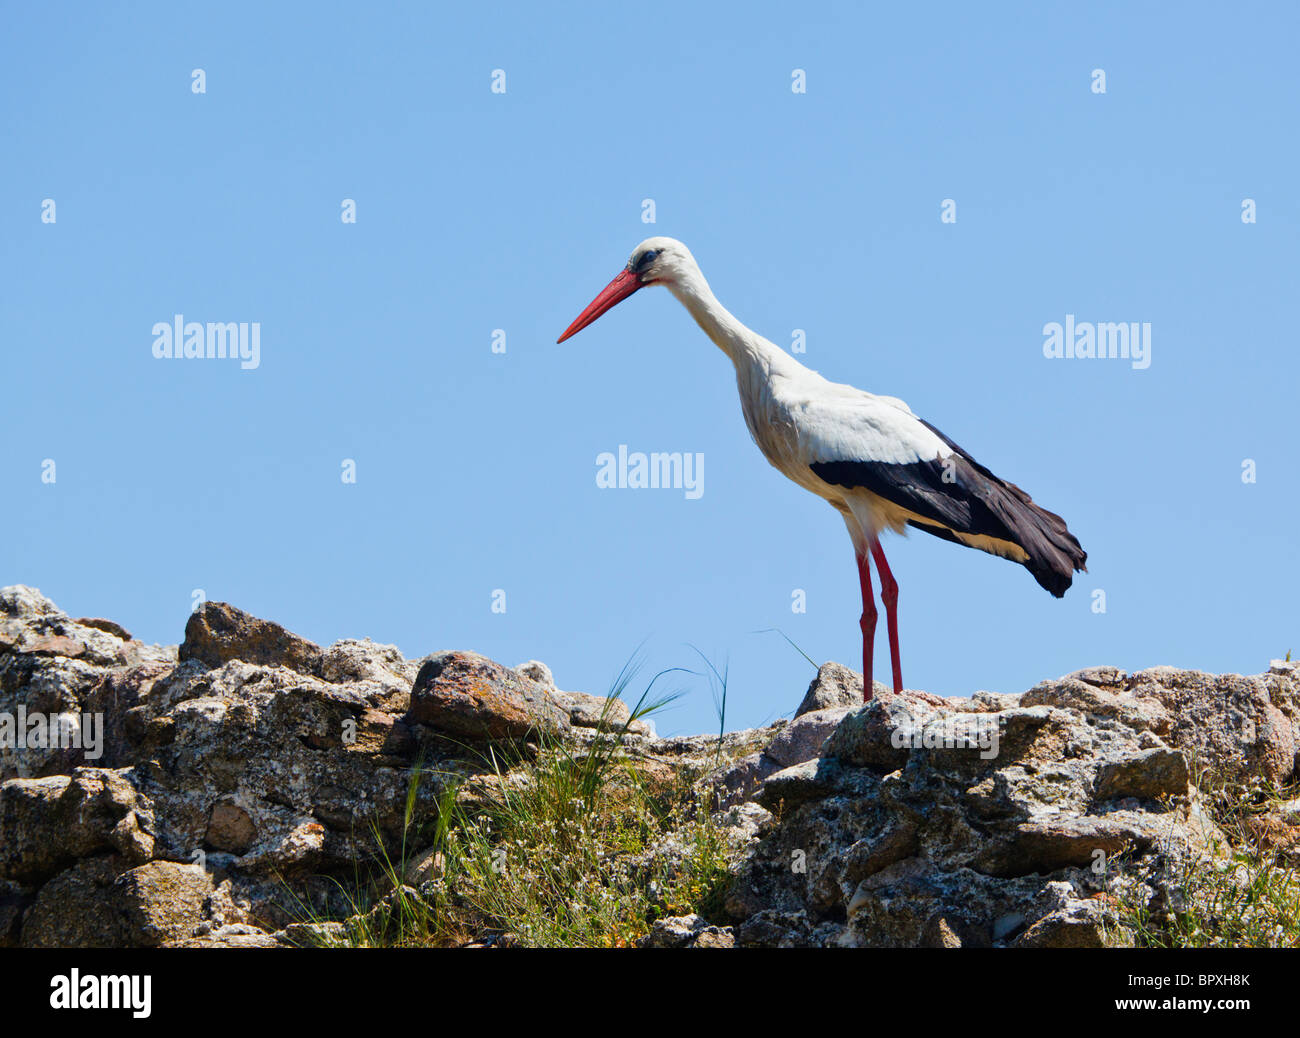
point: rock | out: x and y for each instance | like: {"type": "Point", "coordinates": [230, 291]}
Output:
{"type": "Point", "coordinates": [13, 904]}
{"type": "Point", "coordinates": [750, 821]}
{"type": "Point", "coordinates": [1084, 925]}
{"type": "Point", "coordinates": [1102, 677]}
{"type": "Point", "coordinates": [381, 667]}
{"type": "Point", "coordinates": [1055, 842]}
{"type": "Point", "coordinates": [76, 909]}
{"type": "Point", "coordinates": [1092, 700]}
{"type": "Point", "coordinates": [714, 937]}
{"type": "Point", "coordinates": [741, 780]}
{"type": "Point", "coordinates": [835, 686]}
{"type": "Point", "coordinates": [108, 626]}
{"type": "Point", "coordinates": [313, 935]}
{"type": "Point", "coordinates": [252, 773]}
{"type": "Point", "coordinates": [1074, 921]}
{"type": "Point", "coordinates": [691, 931]}
{"type": "Point", "coordinates": [466, 696]}
{"type": "Point", "coordinates": [55, 671]}
{"type": "Point", "coordinates": [672, 932]}
{"type": "Point", "coordinates": [584, 710]}
{"type": "Point", "coordinates": [810, 780]}
{"type": "Point", "coordinates": [98, 903]}
{"type": "Point", "coordinates": [874, 735]}
{"type": "Point", "coordinates": [424, 866]}
{"type": "Point", "coordinates": [1149, 773]}
{"type": "Point", "coordinates": [772, 929]}
{"type": "Point", "coordinates": [803, 739]}
{"type": "Point", "coordinates": [538, 671]}
{"type": "Point", "coordinates": [36, 636]}
{"type": "Point", "coordinates": [22, 602]}
{"type": "Point", "coordinates": [230, 828]}
{"type": "Point", "coordinates": [928, 823]}
{"type": "Point", "coordinates": [218, 633]}
{"type": "Point", "coordinates": [592, 711]}
{"type": "Point", "coordinates": [162, 902]}
{"type": "Point", "coordinates": [1226, 722]}
{"type": "Point", "coordinates": [49, 823]}
{"type": "Point", "coordinates": [234, 935]}
{"type": "Point", "coordinates": [56, 645]}
{"type": "Point", "coordinates": [939, 933]}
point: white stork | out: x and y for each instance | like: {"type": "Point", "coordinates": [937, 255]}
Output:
{"type": "Point", "coordinates": [878, 464]}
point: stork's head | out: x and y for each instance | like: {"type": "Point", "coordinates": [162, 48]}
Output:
{"type": "Point", "coordinates": [656, 261]}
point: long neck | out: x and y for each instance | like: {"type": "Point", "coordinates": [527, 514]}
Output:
{"type": "Point", "coordinates": [752, 355]}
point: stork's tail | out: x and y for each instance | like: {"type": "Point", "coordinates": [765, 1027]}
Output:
{"type": "Point", "coordinates": [1036, 538]}
{"type": "Point", "coordinates": [1054, 552]}
{"type": "Point", "coordinates": [1046, 546]}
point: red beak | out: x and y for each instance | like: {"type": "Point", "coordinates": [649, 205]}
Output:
{"type": "Point", "coordinates": [614, 293]}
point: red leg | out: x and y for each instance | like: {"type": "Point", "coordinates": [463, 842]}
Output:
{"type": "Point", "coordinates": [867, 623]}
{"type": "Point", "coordinates": [889, 595]}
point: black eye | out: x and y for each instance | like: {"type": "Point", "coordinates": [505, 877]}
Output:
{"type": "Point", "coordinates": [645, 259]}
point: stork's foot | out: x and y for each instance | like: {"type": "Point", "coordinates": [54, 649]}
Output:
{"type": "Point", "coordinates": [868, 688]}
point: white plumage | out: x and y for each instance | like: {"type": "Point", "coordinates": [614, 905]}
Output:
{"type": "Point", "coordinates": [869, 456]}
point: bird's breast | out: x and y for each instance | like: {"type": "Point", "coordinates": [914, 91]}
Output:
{"type": "Point", "coordinates": [774, 427]}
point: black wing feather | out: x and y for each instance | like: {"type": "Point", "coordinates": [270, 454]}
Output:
{"type": "Point", "coordinates": [964, 497]}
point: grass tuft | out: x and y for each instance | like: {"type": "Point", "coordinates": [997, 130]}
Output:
{"type": "Point", "coordinates": [1247, 895]}
{"type": "Point", "coordinates": [559, 844]}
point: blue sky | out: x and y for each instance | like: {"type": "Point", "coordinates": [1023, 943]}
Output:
{"type": "Point", "coordinates": [476, 211]}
